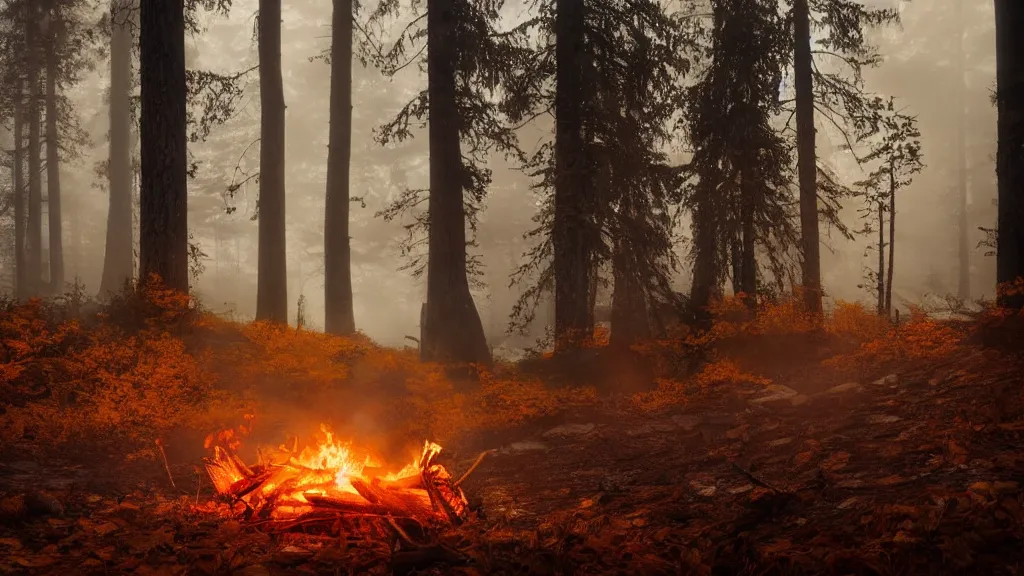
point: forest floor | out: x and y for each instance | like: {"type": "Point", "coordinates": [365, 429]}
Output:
{"type": "Point", "coordinates": [918, 470]}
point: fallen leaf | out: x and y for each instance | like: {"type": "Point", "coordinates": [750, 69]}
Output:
{"type": "Point", "coordinates": [902, 510]}
{"type": "Point", "coordinates": [847, 503]}
{"type": "Point", "coordinates": [994, 488]}
{"type": "Point", "coordinates": [32, 561]}
{"type": "Point", "coordinates": [10, 543]}
{"type": "Point", "coordinates": [738, 432]}
{"type": "Point", "coordinates": [106, 554]}
{"type": "Point", "coordinates": [903, 537]}
{"type": "Point", "coordinates": [836, 461]}
{"type": "Point", "coordinates": [1006, 487]}
{"type": "Point", "coordinates": [802, 458]}
{"type": "Point", "coordinates": [957, 453]}
{"type": "Point", "coordinates": [105, 528]}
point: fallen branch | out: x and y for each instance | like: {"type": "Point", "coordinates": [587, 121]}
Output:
{"type": "Point", "coordinates": [476, 464]}
{"type": "Point", "coordinates": [757, 481]}
{"type": "Point", "coordinates": [163, 455]}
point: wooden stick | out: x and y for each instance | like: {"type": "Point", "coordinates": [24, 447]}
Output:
{"type": "Point", "coordinates": [472, 468]}
{"type": "Point", "coordinates": [160, 446]}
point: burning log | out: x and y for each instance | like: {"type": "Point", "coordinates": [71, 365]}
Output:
{"type": "Point", "coordinates": [328, 483]}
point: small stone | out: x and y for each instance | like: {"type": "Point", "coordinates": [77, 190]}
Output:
{"type": "Point", "coordinates": [799, 400]}
{"type": "Point", "coordinates": [844, 388]}
{"type": "Point", "coordinates": [774, 393]}
{"type": "Point", "coordinates": [883, 419]}
{"type": "Point", "coordinates": [292, 555]}
{"type": "Point", "coordinates": [569, 430]}
{"type": "Point", "coordinates": [525, 446]}
{"type": "Point", "coordinates": [890, 380]}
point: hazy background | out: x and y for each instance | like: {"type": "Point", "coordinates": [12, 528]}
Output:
{"type": "Point", "coordinates": [919, 68]}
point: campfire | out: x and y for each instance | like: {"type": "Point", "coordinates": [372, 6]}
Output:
{"type": "Point", "coordinates": [331, 482]}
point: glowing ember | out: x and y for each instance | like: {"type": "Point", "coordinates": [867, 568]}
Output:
{"type": "Point", "coordinates": [333, 476]}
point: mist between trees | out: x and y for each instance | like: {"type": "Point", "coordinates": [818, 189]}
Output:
{"type": "Point", "coordinates": [682, 163]}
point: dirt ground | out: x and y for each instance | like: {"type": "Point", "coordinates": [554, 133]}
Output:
{"type": "Point", "coordinates": [917, 472]}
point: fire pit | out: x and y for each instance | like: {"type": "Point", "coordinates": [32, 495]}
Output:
{"type": "Point", "coordinates": [331, 483]}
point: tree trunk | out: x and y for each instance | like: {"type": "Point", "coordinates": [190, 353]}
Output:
{"type": "Point", "coordinates": [53, 167]}
{"type": "Point", "coordinates": [339, 316]}
{"type": "Point", "coordinates": [118, 260]}
{"type": "Point", "coordinates": [963, 233]}
{"type": "Point", "coordinates": [736, 259]}
{"type": "Point", "coordinates": [21, 288]}
{"type": "Point", "coordinates": [569, 236]}
{"type": "Point", "coordinates": [705, 259]}
{"type": "Point", "coordinates": [748, 254]}
{"type": "Point", "coordinates": [272, 276]}
{"type": "Point", "coordinates": [34, 242]}
{"type": "Point", "coordinates": [630, 323]}
{"type": "Point", "coordinates": [452, 331]}
{"type": "Point", "coordinates": [807, 156]}
{"type": "Point", "coordinates": [163, 214]}
{"type": "Point", "coordinates": [892, 238]}
{"type": "Point", "coordinates": [880, 275]}
{"type": "Point", "coordinates": [1010, 158]}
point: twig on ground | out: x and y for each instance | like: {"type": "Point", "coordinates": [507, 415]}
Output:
{"type": "Point", "coordinates": [472, 468]}
{"type": "Point", "coordinates": [755, 480]}
{"type": "Point", "coordinates": [167, 467]}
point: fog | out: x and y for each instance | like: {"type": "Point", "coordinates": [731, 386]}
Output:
{"type": "Point", "coordinates": [919, 69]}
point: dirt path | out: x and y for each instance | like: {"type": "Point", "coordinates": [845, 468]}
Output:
{"type": "Point", "coordinates": [917, 473]}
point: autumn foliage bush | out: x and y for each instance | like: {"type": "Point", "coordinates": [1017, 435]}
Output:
{"type": "Point", "coordinates": [153, 363]}
{"type": "Point", "coordinates": [853, 339]}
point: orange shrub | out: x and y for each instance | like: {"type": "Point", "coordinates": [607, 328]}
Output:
{"type": "Point", "coordinates": [668, 394]}
{"type": "Point", "coordinates": [726, 372]}
{"type": "Point", "coordinates": [852, 321]}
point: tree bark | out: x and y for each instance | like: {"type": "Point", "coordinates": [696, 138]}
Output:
{"type": "Point", "coordinates": [34, 242]}
{"type": "Point", "coordinates": [452, 331]}
{"type": "Point", "coordinates": [736, 259]}
{"type": "Point", "coordinates": [892, 237]}
{"type": "Point", "coordinates": [272, 276]}
{"type": "Point", "coordinates": [1010, 158]}
{"type": "Point", "coordinates": [629, 318]}
{"type": "Point", "coordinates": [963, 233]}
{"type": "Point", "coordinates": [880, 276]}
{"type": "Point", "coordinates": [163, 241]}
{"type": "Point", "coordinates": [807, 157]}
{"type": "Point", "coordinates": [339, 316]}
{"type": "Point", "coordinates": [569, 236]}
{"type": "Point", "coordinates": [118, 259]}
{"type": "Point", "coordinates": [748, 255]}
{"type": "Point", "coordinates": [55, 228]}
{"type": "Point", "coordinates": [705, 258]}
{"type": "Point", "coordinates": [21, 288]}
